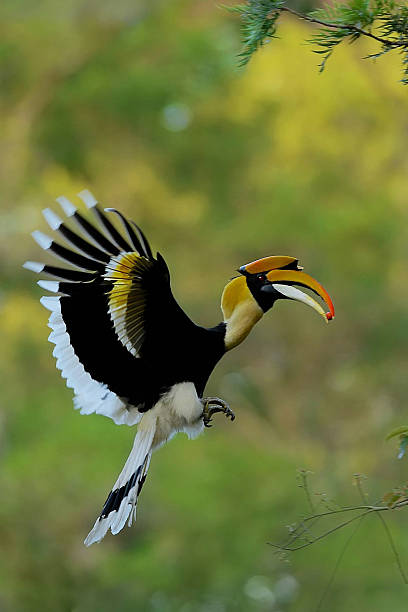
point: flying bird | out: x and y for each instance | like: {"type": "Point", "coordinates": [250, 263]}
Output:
{"type": "Point", "coordinates": [126, 347]}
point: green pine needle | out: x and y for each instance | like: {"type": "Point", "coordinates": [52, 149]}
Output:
{"type": "Point", "coordinates": [384, 21]}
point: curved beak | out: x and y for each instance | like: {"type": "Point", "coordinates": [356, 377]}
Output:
{"type": "Point", "coordinates": [279, 278]}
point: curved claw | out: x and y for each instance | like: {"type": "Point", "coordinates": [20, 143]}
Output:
{"type": "Point", "coordinates": [212, 405]}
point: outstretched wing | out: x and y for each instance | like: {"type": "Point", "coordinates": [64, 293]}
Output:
{"type": "Point", "coordinates": [113, 313]}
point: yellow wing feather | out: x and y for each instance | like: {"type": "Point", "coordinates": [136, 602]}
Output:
{"type": "Point", "coordinates": [127, 298]}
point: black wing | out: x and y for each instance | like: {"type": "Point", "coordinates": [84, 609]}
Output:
{"type": "Point", "coordinates": [121, 339]}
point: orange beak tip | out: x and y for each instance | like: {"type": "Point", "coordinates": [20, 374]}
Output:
{"type": "Point", "coordinates": [329, 316]}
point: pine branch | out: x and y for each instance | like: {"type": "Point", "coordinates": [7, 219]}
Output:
{"type": "Point", "coordinates": [350, 28]}
{"type": "Point", "coordinates": [337, 22]}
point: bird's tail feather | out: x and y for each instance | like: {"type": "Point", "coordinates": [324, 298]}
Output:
{"type": "Point", "coordinates": [122, 500]}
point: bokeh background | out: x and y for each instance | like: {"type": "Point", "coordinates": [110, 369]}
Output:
{"type": "Point", "coordinates": [141, 102]}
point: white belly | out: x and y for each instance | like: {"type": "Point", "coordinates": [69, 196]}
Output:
{"type": "Point", "coordinates": [180, 409]}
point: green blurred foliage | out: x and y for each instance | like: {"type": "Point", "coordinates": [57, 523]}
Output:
{"type": "Point", "coordinates": [142, 104]}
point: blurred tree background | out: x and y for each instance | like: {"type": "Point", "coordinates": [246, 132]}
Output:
{"type": "Point", "coordinates": [141, 102]}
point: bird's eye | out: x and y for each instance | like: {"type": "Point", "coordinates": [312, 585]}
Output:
{"type": "Point", "coordinates": [262, 277]}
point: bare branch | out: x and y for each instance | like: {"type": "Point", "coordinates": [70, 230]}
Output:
{"type": "Point", "coordinates": [393, 548]}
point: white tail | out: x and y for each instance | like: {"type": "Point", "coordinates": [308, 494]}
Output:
{"type": "Point", "coordinates": [122, 500]}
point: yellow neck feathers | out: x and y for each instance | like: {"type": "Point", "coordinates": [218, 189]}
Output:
{"type": "Point", "coordinates": [240, 311]}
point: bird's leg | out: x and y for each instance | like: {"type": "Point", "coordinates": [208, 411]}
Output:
{"type": "Point", "coordinates": [212, 405]}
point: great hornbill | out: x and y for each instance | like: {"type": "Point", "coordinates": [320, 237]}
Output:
{"type": "Point", "coordinates": [127, 348]}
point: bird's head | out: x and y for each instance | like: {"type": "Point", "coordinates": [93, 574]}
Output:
{"type": "Point", "coordinates": [246, 298]}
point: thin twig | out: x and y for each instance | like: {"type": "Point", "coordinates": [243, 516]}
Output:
{"type": "Point", "coordinates": [393, 548]}
{"type": "Point", "coordinates": [352, 28]}
{"type": "Point", "coordinates": [351, 508]}
{"type": "Point", "coordinates": [388, 533]}
{"type": "Point", "coordinates": [358, 479]}
{"type": "Point", "coordinates": [296, 535]}
{"type": "Point", "coordinates": [323, 535]}
{"type": "Point", "coordinates": [336, 567]}
{"type": "Point", "coordinates": [305, 486]}
{"type": "Point", "coordinates": [302, 528]}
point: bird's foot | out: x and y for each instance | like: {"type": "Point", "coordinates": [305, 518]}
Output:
{"type": "Point", "coordinates": [212, 405]}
